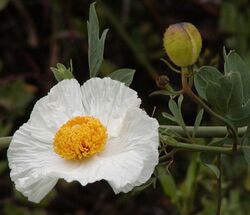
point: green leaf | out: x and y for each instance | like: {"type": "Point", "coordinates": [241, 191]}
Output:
{"type": "Point", "coordinates": [238, 112]}
{"type": "Point", "coordinates": [167, 183]}
{"type": "Point", "coordinates": [169, 116]}
{"type": "Point", "coordinates": [61, 72]}
{"type": "Point", "coordinates": [226, 98]}
{"type": "Point", "coordinates": [246, 145]}
{"type": "Point", "coordinates": [218, 94]}
{"type": "Point", "coordinates": [204, 75]}
{"type": "Point", "coordinates": [228, 94]}
{"type": "Point", "coordinates": [213, 168]}
{"type": "Point", "coordinates": [176, 111]}
{"type": "Point", "coordinates": [197, 122]}
{"type": "Point", "coordinates": [212, 94]}
{"type": "Point", "coordinates": [225, 93]}
{"type": "Point", "coordinates": [236, 98]}
{"type": "Point", "coordinates": [123, 75]}
{"type": "Point", "coordinates": [180, 100]}
{"type": "Point", "coordinates": [96, 44]}
{"type": "Point", "coordinates": [234, 63]}
{"type": "Point", "coordinates": [164, 93]}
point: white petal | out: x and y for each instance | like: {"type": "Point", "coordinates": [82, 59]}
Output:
{"type": "Point", "coordinates": [140, 135]}
{"type": "Point", "coordinates": [26, 160]}
{"type": "Point", "coordinates": [128, 160]}
{"type": "Point", "coordinates": [35, 189]}
{"type": "Point", "coordinates": [35, 167]}
{"type": "Point", "coordinates": [50, 112]}
{"type": "Point", "coordinates": [115, 169]}
{"type": "Point", "coordinates": [108, 100]}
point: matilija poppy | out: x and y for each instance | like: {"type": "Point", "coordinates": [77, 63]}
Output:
{"type": "Point", "coordinates": [84, 133]}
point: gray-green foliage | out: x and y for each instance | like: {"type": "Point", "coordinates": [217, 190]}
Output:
{"type": "Point", "coordinates": [96, 44]}
{"type": "Point", "coordinates": [123, 75]}
{"type": "Point", "coordinates": [227, 93]}
{"type": "Point", "coordinates": [96, 51]}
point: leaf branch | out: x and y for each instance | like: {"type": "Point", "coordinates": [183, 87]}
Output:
{"type": "Point", "coordinates": [187, 90]}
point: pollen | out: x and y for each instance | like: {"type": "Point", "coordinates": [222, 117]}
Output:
{"type": "Point", "coordinates": [80, 137]}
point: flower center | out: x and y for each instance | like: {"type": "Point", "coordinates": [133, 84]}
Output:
{"type": "Point", "coordinates": [80, 137]}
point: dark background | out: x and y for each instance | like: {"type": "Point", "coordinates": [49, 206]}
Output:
{"type": "Point", "coordinates": [37, 34]}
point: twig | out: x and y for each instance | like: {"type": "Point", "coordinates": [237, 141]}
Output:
{"type": "Point", "coordinates": [186, 89]}
{"type": "Point", "coordinates": [202, 148]}
{"type": "Point", "coordinates": [203, 131]}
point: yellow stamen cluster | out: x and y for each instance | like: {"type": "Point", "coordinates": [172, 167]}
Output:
{"type": "Point", "coordinates": [80, 137]}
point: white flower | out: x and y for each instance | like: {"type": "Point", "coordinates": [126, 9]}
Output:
{"type": "Point", "coordinates": [84, 133]}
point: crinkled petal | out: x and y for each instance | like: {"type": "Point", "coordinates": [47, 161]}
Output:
{"type": "Point", "coordinates": [26, 156]}
{"type": "Point", "coordinates": [108, 100]}
{"type": "Point", "coordinates": [131, 151]}
{"type": "Point", "coordinates": [32, 167]}
{"type": "Point", "coordinates": [50, 112]}
{"type": "Point", "coordinates": [139, 133]}
{"type": "Point", "coordinates": [116, 169]}
{"type": "Point", "coordinates": [128, 160]}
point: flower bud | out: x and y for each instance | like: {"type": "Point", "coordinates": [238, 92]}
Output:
{"type": "Point", "coordinates": [182, 43]}
{"type": "Point", "coordinates": [162, 81]}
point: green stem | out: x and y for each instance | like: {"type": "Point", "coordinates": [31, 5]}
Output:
{"type": "Point", "coordinates": [203, 131]}
{"type": "Point", "coordinates": [170, 66]}
{"type": "Point", "coordinates": [202, 148]}
{"type": "Point", "coordinates": [219, 185]}
{"type": "Point", "coordinates": [168, 155]}
{"type": "Point", "coordinates": [190, 184]}
{"type": "Point", "coordinates": [4, 142]}
{"type": "Point", "coordinates": [186, 89]}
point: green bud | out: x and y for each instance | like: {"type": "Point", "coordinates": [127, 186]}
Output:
{"type": "Point", "coordinates": [61, 72]}
{"type": "Point", "coordinates": [182, 43]}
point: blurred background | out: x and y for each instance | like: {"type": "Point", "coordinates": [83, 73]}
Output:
{"type": "Point", "coordinates": [37, 34]}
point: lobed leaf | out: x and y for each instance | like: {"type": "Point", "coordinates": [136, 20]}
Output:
{"type": "Point", "coordinates": [234, 63]}
{"type": "Point", "coordinates": [204, 75]}
{"type": "Point", "coordinates": [228, 94]}
{"type": "Point", "coordinates": [96, 44]}
{"type": "Point", "coordinates": [176, 111]}
{"type": "Point", "coordinates": [123, 75]}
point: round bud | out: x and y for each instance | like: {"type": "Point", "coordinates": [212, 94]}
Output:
{"type": "Point", "coordinates": [182, 43]}
{"type": "Point", "coordinates": [162, 81]}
